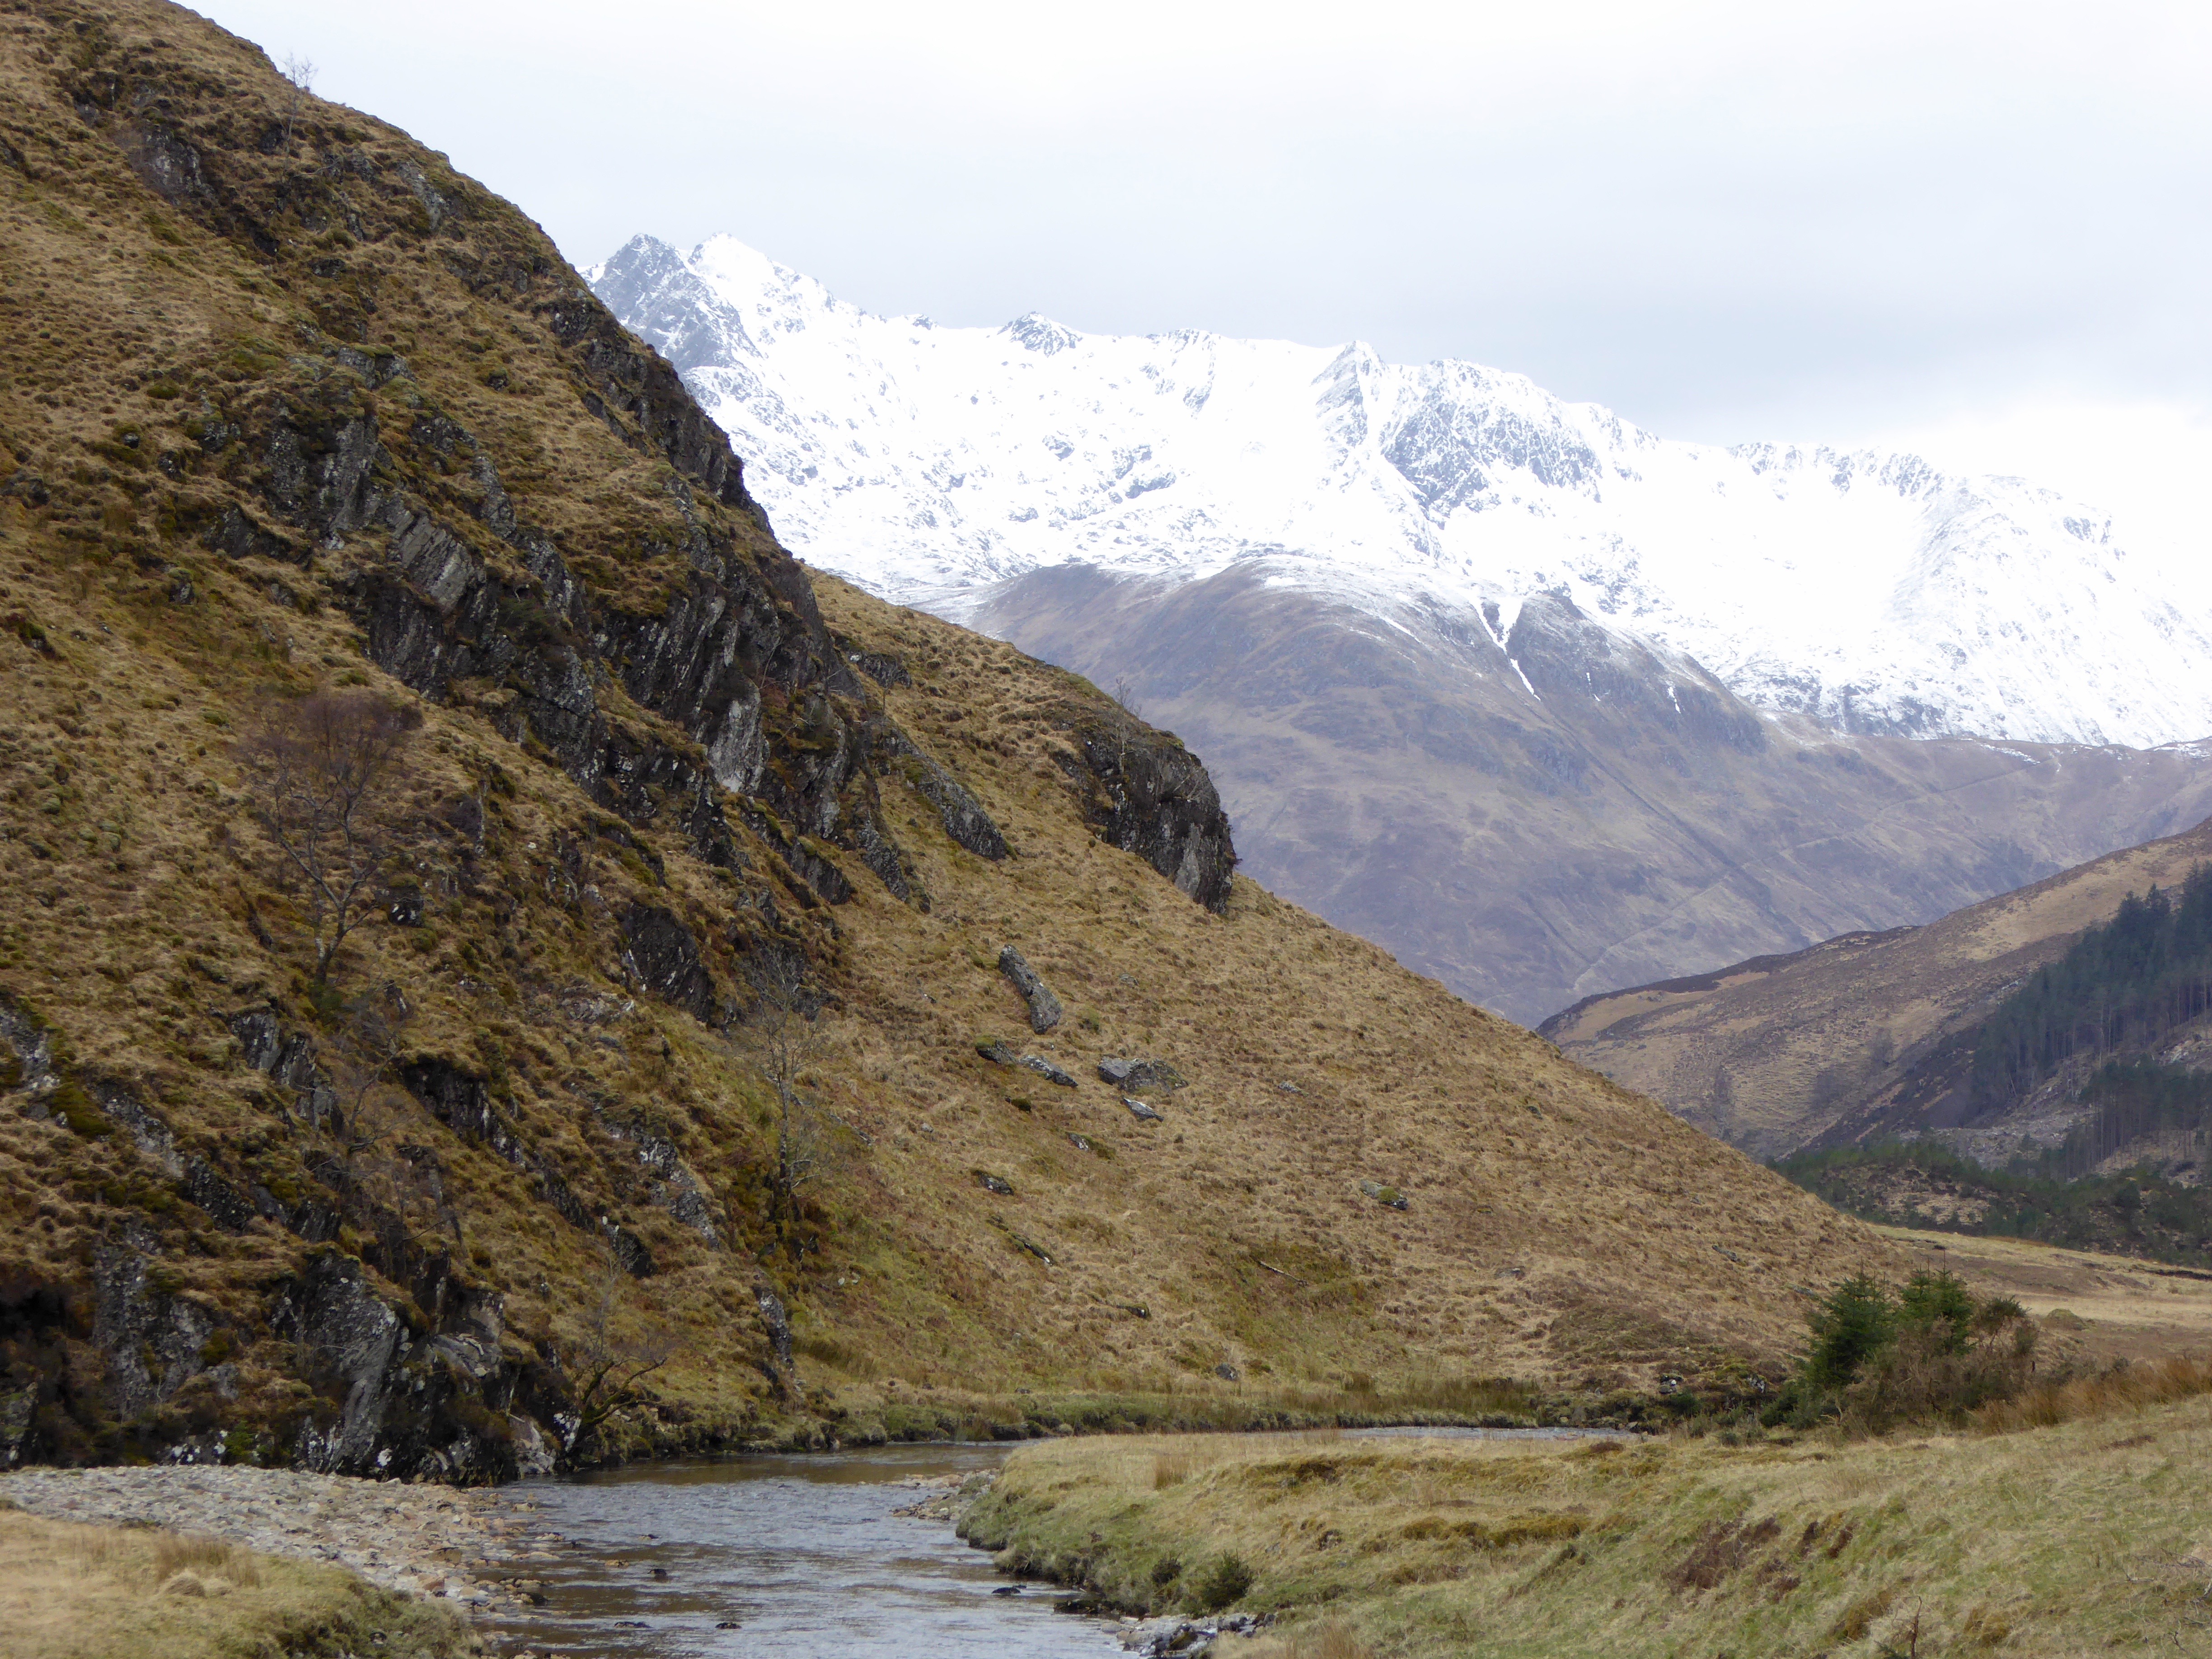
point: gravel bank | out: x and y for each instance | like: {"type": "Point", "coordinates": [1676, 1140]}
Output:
{"type": "Point", "coordinates": [423, 1539]}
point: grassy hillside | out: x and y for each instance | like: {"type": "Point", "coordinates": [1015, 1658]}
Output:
{"type": "Point", "coordinates": [1869, 1034]}
{"type": "Point", "coordinates": [654, 1099]}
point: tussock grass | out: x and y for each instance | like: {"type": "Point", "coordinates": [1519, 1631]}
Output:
{"type": "Point", "coordinates": [2118, 1389]}
{"type": "Point", "coordinates": [76, 1592]}
{"type": "Point", "coordinates": [2087, 1536]}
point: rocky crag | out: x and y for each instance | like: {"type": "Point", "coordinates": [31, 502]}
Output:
{"type": "Point", "coordinates": [621, 1069]}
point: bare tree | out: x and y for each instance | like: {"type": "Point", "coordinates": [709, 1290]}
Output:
{"type": "Point", "coordinates": [1124, 691]}
{"type": "Point", "coordinates": [317, 768]}
{"type": "Point", "coordinates": [783, 1043]}
{"type": "Point", "coordinates": [605, 1367]}
{"type": "Point", "coordinates": [301, 72]}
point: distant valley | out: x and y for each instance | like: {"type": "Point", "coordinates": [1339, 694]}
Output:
{"type": "Point", "coordinates": [1544, 704]}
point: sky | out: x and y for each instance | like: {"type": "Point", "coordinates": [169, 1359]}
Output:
{"type": "Point", "coordinates": [1980, 231]}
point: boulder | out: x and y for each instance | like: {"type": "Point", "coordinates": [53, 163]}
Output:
{"type": "Point", "coordinates": [1045, 1069]}
{"type": "Point", "coordinates": [1383, 1194]}
{"type": "Point", "coordinates": [991, 1183]}
{"type": "Point", "coordinates": [1044, 1007]}
{"type": "Point", "coordinates": [1138, 1077]}
{"type": "Point", "coordinates": [995, 1051]}
{"type": "Point", "coordinates": [1140, 1109]}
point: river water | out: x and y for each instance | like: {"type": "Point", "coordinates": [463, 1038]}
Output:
{"type": "Point", "coordinates": [798, 1558]}
{"type": "Point", "coordinates": [802, 1554]}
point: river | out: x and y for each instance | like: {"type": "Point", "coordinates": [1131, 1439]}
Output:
{"type": "Point", "coordinates": [798, 1558]}
{"type": "Point", "coordinates": [802, 1554]}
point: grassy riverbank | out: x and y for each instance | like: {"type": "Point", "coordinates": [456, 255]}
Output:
{"type": "Point", "coordinates": [2091, 1534]}
{"type": "Point", "coordinates": [874, 1415]}
{"type": "Point", "coordinates": [78, 1592]}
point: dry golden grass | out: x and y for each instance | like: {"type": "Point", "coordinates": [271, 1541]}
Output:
{"type": "Point", "coordinates": [2110, 1392]}
{"type": "Point", "coordinates": [1561, 1231]}
{"type": "Point", "coordinates": [73, 1592]}
{"type": "Point", "coordinates": [2108, 1307]}
{"type": "Point", "coordinates": [2091, 1536]}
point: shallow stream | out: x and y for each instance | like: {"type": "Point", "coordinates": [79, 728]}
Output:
{"type": "Point", "coordinates": [799, 1557]}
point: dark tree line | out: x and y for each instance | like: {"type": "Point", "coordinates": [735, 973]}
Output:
{"type": "Point", "coordinates": [2135, 1100]}
{"type": "Point", "coordinates": [2121, 986]}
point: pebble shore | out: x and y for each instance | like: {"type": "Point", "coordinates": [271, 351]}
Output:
{"type": "Point", "coordinates": [426, 1541]}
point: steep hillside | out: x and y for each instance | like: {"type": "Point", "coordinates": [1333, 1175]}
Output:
{"type": "Point", "coordinates": [497, 961]}
{"type": "Point", "coordinates": [1866, 1035]}
{"type": "Point", "coordinates": [1542, 704]}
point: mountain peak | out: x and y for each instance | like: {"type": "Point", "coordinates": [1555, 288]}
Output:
{"type": "Point", "coordinates": [1865, 589]}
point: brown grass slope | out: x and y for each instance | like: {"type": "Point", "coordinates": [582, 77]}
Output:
{"type": "Point", "coordinates": [288, 403]}
{"type": "Point", "coordinates": [1773, 1053]}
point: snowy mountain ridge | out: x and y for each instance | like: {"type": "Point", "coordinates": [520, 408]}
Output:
{"type": "Point", "coordinates": [1868, 590]}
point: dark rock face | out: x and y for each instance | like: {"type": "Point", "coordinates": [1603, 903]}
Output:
{"type": "Point", "coordinates": [672, 1187]}
{"type": "Point", "coordinates": [1138, 1077]}
{"type": "Point", "coordinates": [664, 956]}
{"type": "Point", "coordinates": [964, 815]}
{"type": "Point", "coordinates": [402, 1402]}
{"type": "Point", "coordinates": [1044, 1006]}
{"type": "Point", "coordinates": [26, 1051]}
{"type": "Point", "coordinates": [459, 1100]}
{"type": "Point", "coordinates": [153, 1340]}
{"type": "Point", "coordinates": [1143, 793]}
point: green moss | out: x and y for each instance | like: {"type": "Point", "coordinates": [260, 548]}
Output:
{"type": "Point", "coordinates": [75, 1107]}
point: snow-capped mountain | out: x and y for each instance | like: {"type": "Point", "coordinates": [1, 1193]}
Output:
{"type": "Point", "coordinates": [1869, 591]}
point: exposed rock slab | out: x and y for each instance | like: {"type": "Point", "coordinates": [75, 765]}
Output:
{"type": "Point", "coordinates": [1044, 1007]}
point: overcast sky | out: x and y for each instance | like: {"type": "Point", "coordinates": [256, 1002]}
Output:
{"type": "Point", "coordinates": [1985, 230]}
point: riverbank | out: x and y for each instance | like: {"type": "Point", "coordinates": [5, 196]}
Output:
{"type": "Point", "coordinates": [2094, 1535]}
{"type": "Point", "coordinates": [70, 1590]}
{"type": "Point", "coordinates": [890, 1413]}
{"type": "Point", "coordinates": [93, 1556]}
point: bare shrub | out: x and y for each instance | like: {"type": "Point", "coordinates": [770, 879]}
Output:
{"type": "Point", "coordinates": [783, 1043]}
{"type": "Point", "coordinates": [317, 771]}
{"type": "Point", "coordinates": [301, 72]}
{"type": "Point", "coordinates": [606, 1367]}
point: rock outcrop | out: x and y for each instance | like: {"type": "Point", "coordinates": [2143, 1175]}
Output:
{"type": "Point", "coordinates": [1143, 793]}
{"type": "Point", "coordinates": [1044, 1007]}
